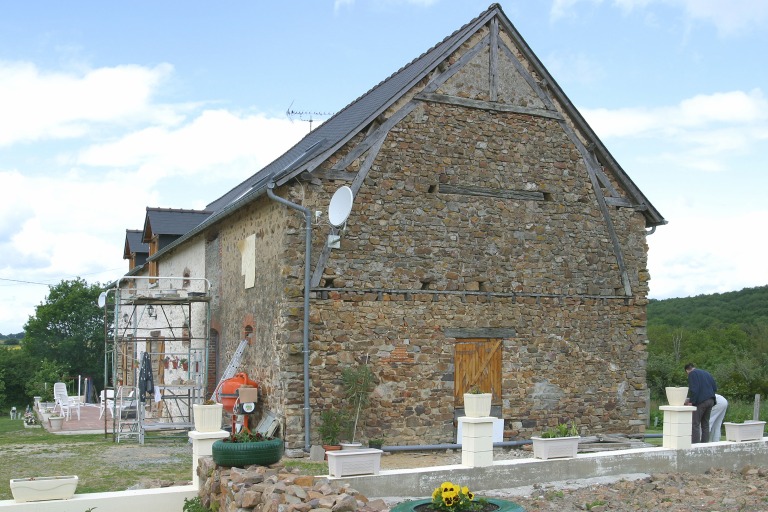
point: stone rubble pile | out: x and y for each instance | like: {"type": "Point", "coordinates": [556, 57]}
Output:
{"type": "Point", "coordinates": [275, 488]}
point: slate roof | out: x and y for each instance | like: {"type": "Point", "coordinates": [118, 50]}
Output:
{"type": "Point", "coordinates": [170, 221]}
{"type": "Point", "coordinates": [322, 142]}
{"type": "Point", "coordinates": [134, 243]}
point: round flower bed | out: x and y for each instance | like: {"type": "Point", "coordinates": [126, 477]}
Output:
{"type": "Point", "coordinates": [245, 449]}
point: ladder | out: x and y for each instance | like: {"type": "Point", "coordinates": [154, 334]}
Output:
{"type": "Point", "coordinates": [232, 367]}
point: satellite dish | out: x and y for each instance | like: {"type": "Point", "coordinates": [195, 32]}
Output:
{"type": "Point", "coordinates": [341, 206]}
{"type": "Point", "coordinates": [102, 299]}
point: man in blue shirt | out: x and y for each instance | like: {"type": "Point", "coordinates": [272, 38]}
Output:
{"type": "Point", "coordinates": [702, 387]}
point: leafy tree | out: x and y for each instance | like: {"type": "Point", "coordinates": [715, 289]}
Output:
{"type": "Point", "coordinates": [41, 383]}
{"type": "Point", "coordinates": [2, 387]}
{"type": "Point", "coordinates": [16, 366]}
{"type": "Point", "coordinates": [68, 329]}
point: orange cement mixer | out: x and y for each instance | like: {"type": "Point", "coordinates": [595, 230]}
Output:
{"type": "Point", "coordinates": [231, 393]}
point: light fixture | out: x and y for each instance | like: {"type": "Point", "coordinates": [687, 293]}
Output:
{"type": "Point", "coordinates": [151, 311]}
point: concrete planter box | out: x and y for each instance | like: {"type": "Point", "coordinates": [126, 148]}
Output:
{"type": "Point", "coordinates": [207, 417]}
{"type": "Point", "coordinates": [477, 405]}
{"type": "Point", "coordinates": [364, 461]}
{"type": "Point", "coordinates": [747, 431]}
{"type": "Point", "coordinates": [555, 447]}
{"type": "Point", "coordinates": [43, 488]}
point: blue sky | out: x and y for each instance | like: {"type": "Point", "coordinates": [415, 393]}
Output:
{"type": "Point", "coordinates": [109, 107]}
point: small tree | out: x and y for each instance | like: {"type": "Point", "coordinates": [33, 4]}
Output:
{"type": "Point", "coordinates": [358, 383]}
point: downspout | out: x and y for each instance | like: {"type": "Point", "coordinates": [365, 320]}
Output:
{"type": "Point", "coordinates": [307, 260]}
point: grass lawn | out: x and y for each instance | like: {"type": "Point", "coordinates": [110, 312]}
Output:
{"type": "Point", "coordinates": [100, 464]}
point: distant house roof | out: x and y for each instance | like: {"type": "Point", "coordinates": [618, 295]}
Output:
{"type": "Point", "coordinates": [169, 221]}
{"type": "Point", "coordinates": [134, 243]}
{"type": "Point", "coordinates": [311, 151]}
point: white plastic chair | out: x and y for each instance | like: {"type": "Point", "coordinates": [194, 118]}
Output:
{"type": "Point", "coordinates": [107, 402]}
{"type": "Point", "coordinates": [64, 402]}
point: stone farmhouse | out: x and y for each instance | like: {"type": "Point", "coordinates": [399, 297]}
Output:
{"type": "Point", "coordinates": [493, 241]}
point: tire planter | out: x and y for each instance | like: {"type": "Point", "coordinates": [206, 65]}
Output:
{"type": "Point", "coordinates": [502, 505]}
{"type": "Point", "coordinates": [262, 453]}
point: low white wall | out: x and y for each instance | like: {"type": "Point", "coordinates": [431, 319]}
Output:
{"type": "Point", "coordinates": [167, 499]}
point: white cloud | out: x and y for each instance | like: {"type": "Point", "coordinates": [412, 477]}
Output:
{"type": "Point", "coordinates": [39, 105]}
{"type": "Point", "coordinates": [697, 131]}
{"type": "Point", "coordinates": [698, 254]}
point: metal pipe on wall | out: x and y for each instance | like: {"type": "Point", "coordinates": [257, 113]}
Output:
{"type": "Point", "coordinates": [307, 281]}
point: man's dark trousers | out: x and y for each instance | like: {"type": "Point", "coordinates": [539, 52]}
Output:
{"type": "Point", "coordinates": [700, 421]}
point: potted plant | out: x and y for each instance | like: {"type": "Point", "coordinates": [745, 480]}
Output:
{"type": "Point", "coordinates": [245, 448]}
{"type": "Point", "coordinates": [175, 362]}
{"type": "Point", "coordinates": [184, 364]}
{"type": "Point", "coordinates": [477, 404]}
{"type": "Point", "coordinates": [450, 497]}
{"type": "Point", "coordinates": [207, 416]}
{"type": "Point", "coordinates": [375, 443]}
{"type": "Point", "coordinates": [166, 362]}
{"type": "Point", "coordinates": [331, 422]}
{"type": "Point", "coordinates": [559, 441]}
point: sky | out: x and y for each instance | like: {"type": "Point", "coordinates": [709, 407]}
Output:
{"type": "Point", "coordinates": [109, 107]}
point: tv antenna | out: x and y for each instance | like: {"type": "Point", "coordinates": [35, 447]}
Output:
{"type": "Point", "coordinates": [305, 115]}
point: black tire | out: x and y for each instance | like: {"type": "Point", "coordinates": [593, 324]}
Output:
{"type": "Point", "coordinates": [240, 455]}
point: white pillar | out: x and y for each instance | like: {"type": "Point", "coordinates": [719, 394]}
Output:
{"type": "Point", "coordinates": [678, 421]}
{"type": "Point", "coordinates": [202, 446]}
{"type": "Point", "coordinates": [477, 441]}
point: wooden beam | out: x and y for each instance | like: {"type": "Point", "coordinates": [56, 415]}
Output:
{"type": "Point", "coordinates": [333, 175]}
{"type": "Point", "coordinates": [523, 195]}
{"type": "Point", "coordinates": [479, 332]}
{"type": "Point", "coordinates": [487, 105]}
{"type": "Point", "coordinates": [493, 65]}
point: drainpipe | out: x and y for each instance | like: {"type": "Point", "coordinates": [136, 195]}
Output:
{"type": "Point", "coordinates": [307, 260]}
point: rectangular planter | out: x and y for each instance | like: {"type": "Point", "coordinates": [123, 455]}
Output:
{"type": "Point", "coordinates": [365, 461]}
{"type": "Point", "coordinates": [747, 431]}
{"type": "Point", "coordinates": [43, 488]}
{"type": "Point", "coordinates": [555, 447]}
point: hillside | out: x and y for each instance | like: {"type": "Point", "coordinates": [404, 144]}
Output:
{"type": "Point", "coordinates": [745, 307]}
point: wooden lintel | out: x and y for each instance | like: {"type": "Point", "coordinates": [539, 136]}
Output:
{"type": "Point", "coordinates": [479, 332]}
{"type": "Point", "coordinates": [493, 65]}
{"type": "Point", "coordinates": [523, 195]}
{"type": "Point", "coordinates": [488, 105]}
{"type": "Point", "coordinates": [333, 175]}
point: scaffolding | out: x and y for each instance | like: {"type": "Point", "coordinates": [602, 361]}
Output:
{"type": "Point", "coordinates": [162, 323]}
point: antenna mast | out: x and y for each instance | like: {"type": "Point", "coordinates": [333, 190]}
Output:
{"type": "Point", "coordinates": [305, 115]}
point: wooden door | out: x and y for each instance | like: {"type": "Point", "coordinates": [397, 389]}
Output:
{"type": "Point", "coordinates": [477, 362]}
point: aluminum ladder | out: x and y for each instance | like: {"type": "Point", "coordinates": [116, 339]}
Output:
{"type": "Point", "coordinates": [232, 367]}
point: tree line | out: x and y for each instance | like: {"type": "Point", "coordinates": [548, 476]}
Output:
{"type": "Point", "coordinates": [63, 339]}
{"type": "Point", "coordinates": [723, 333]}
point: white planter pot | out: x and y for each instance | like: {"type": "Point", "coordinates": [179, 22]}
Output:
{"type": "Point", "coordinates": [555, 447]}
{"type": "Point", "coordinates": [56, 423]}
{"type": "Point", "coordinates": [747, 431]}
{"type": "Point", "coordinates": [351, 446]}
{"type": "Point", "coordinates": [365, 461]}
{"type": "Point", "coordinates": [477, 405]}
{"type": "Point", "coordinates": [43, 488]}
{"type": "Point", "coordinates": [207, 417]}
{"type": "Point", "coordinates": [676, 395]}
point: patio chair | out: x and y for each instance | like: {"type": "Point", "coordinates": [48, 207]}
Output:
{"type": "Point", "coordinates": [107, 401]}
{"type": "Point", "coordinates": [64, 402]}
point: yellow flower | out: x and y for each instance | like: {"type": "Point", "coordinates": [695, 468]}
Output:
{"type": "Point", "coordinates": [447, 487]}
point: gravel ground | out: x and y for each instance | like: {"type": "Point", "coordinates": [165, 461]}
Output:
{"type": "Point", "coordinates": [715, 491]}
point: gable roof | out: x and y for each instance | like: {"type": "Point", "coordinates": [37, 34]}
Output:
{"type": "Point", "coordinates": [311, 151]}
{"type": "Point", "coordinates": [134, 243]}
{"type": "Point", "coordinates": [170, 221]}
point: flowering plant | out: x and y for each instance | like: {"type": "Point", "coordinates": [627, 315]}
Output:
{"type": "Point", "coordinates": [453, 498]}
{"type": "Point", "coordinates": [30, 419]}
